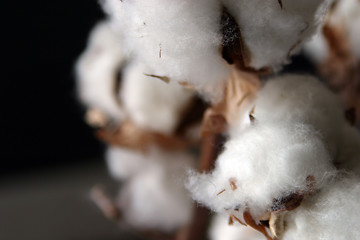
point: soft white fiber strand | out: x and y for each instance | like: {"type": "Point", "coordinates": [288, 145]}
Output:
{"type": "Point", "coordinates": [155, 198]}
{"type": "Point", "coordinates": [331, 214]}
{"type": "Point", "coordinates": [271, 33]}
{"type": "Point", "coordinates": [221, 230]}
{"type": "Point", "coordinates": [151, 103]}
{"type": "Point", "coordinates": [97, 70]}
{"type": "Point", "coordinates": [180, 40]}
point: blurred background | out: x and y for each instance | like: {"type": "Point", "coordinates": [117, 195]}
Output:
{"type": "Point", "coordinates": [50, 158]}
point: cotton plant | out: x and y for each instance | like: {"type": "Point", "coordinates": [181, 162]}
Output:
{"type": "Point", "coordinates": [143, 151]}
{"type": "Point", "coordinates": [289, 151]}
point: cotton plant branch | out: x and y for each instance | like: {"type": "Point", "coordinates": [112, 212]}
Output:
{"type": "Point", "coordinates": [220, 49]}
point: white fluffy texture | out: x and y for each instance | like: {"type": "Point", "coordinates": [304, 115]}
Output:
{"type": "Point", "coordinates": [221, 230]}
{"type": "Point", "coordinates": [332, 214]}
{"type": "Point", "coordinates": [97, 68]}
{"type": "Point", "coordinates": [347, 14]}
{"type": "Point", "coordinates": [317, 48]}
{"type": "Point", "coordinates": [124, 163]}
{"type": "Point", "coordinates": [150, 102]}
{"type": "Point", "coordinates": [297, 132]}
{"type": "Point", "coordinates": [188, 34]}
{"type": "Point", "coordinates": [267, 161]}
{"type": "Point", "coordinates": [302, 99]}
{"type": "Point", "coordinates": [155, 197]}
{"type": "Point", "coordinates": [270, 33]}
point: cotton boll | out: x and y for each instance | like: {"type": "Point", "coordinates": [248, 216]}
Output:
{"type": "Point", "coordinates": [266, 162]}
{"type": "Point", "coordinates": [180, 40]}
{"type": "Point", "coordinates": [221, 230]}
{"type": "Point", "coordinates": [332, 214]}
{"type": "Point", "coordinates": [156, 198]}
{"type": "Point", "coordinates": [97, 70]}
{"type": "Point", "coordinates": [272, 33]}
{"type": "Point", "coordinates": [151, 103]}
{"type": "Point", "coordinates": [304, 99]}
{"type": "Point", "coordinates": [124, 163]}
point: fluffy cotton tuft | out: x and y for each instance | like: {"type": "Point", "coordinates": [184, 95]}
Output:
{"type": "Point", "coordinates": [221, 230]}
{"type": "Point", "coordinates": [272, 32]}
{"type": "Point", "coordinates": [179, 40]}
{"type": "Point", "coordinates": [297, 135]}
{"type": "Point", "coordinates": [332, 214]}
{"type": "Point", "coordinates": [265, 162]}
{"type": "Point", "coordinates": [97, 70]}
{"type": "Point", "coordinates": [155, 197]}
{"type": "Point", "coordinates": [301, 99]}
{"type": "Point", "coordinates": [182, 40]}
{"type": "Point", "coordinates": [150, 102]}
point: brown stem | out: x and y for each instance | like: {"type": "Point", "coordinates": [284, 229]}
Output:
{"type": "Point", "coordinates": [211, 146]}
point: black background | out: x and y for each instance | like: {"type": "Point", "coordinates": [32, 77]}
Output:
{"type": "Point", "coordinates": [41, 120]}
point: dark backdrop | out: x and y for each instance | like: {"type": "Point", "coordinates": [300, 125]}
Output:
{"type": "Point", "coordinates": [41, 120]}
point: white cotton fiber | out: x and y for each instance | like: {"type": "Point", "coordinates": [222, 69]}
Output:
{"type": "Point", "coordinates": [302, 99]}
{"type": "Point", "coordinates": [155, 198]}
{"type": "Point", "coordinates": [124, 163]}
{"type": "Point", "coordinates": [180, 40]}
{"type": "Point", "coordinates": [221, 230]}
{"type": "Point", "coordinates": [272, 33]}
{"type": "Point", "coordinates": [151, 103]}
{"type": "Point", "coordinates": [332, 214]}
{"type": "Point", "coordinates": [265, 162]}
{"type": "Point", "coordinates": [97, 70]}
{"type": "Point", "coordinates": [297, 132]}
